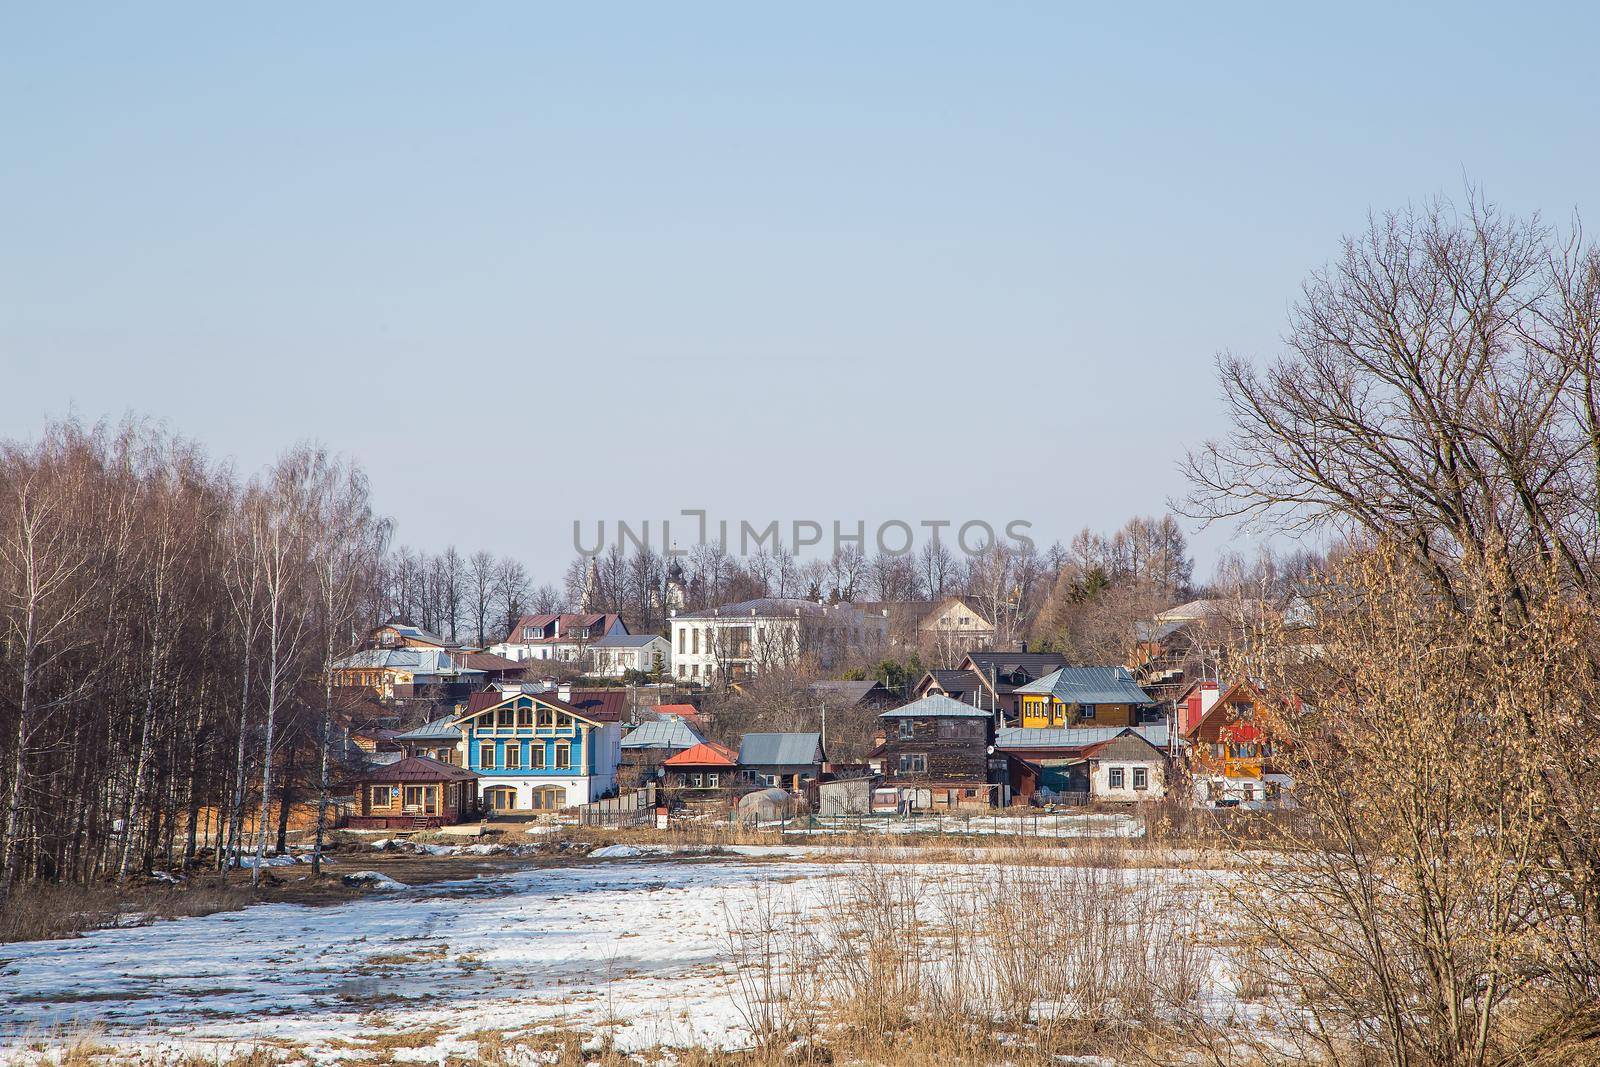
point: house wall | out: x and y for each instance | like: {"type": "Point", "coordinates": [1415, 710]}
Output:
{"type": "Point", "coordinates": [954, 750]}
{"type": "Point", "coordinates": [1039, 712]}
{"type": "Point", "coordinates": [1100, 775]}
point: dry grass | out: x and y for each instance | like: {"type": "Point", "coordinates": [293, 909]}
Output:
{"type": "Point", "coordinates": [41, 912]}
{"type": "Point", "coordinates": [1015, 965]}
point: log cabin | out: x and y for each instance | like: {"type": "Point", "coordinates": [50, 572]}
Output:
{"type": "Point", "coordinates": [934, 755]}
{"type": "Point", "coordinates": [413, 794]}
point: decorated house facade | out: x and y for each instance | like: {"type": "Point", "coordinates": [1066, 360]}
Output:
{"type": "Point", "coordinates": [534, 752]}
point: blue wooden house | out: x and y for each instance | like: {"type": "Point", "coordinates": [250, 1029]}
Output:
{"type": "Point", "coordinates": [535, 752]}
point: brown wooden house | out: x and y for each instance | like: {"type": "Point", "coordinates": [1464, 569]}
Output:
{"type": "Point", "coordinates": [706, 770]}
{"type": "Point", "coordinates": [935, 755]}
{"type": "Point", "coordinates": [414, 793]}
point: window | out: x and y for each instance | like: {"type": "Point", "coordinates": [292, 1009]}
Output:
{"type": "Point", "coordinates": [913, 763]}
{"type": "Point", "coordinates": [1141, 777]}
{"type": "Point", "coordinates": [547, 716]}
{"type": "Point", "coordinates": [563, 755]}
{"type": "Point", "coordinates": [513, 755]}
{"type": "Point", "coordinates": [524, 716]}
{"type": "Point", "coordinates": [549, 797]}
{"type": "Point", "coordinates": [697, 642]}
{"type": "Point", "coordinates": [486, 755]}
{"type": "Point", "coordinates": [713, 780]}
{"type": "Point", "coordinates": [908, 729]}
{"type": "Point", "coordinates": [503, 717]}
{"type": "Point", "coordinates": [1086, 711]}
{"type": "Point", "coordinates": [1115, 777]}
{"type": "Point", "coordinates": [682, 636]}
{"type": "Point", "coordinates": [683, 672]}
{"type": "Point", "coordinates": [536, 750]}
{"type": "Point", "coordinates": [695, 779]}
{"type": "Point", "coordinates": [527, 633]}
{"type": "Point", "coordinates": [415, 795]}
{"type": "Point", "coordinates": [378, 796]}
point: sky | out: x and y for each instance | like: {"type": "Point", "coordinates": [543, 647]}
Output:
{"type": "Point", "coordinates": [532, 264]}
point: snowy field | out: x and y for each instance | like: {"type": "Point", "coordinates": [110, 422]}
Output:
{"type": "Point", "coordinates": [634, 946]}
{"type": "Point", "coordinates": [629, 940]}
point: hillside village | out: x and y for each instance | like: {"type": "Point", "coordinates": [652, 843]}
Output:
{"type": "Point", "coordinates": [573, 709]}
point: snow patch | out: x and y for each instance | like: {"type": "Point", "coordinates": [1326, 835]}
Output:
{"type": "Point", "coordinates": [616, 852]}
{"type": "Point", "coordinates": [373, 880]}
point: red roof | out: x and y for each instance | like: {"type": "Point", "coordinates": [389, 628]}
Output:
{"type": "Point", "coordinates": [687, 712]}
{"type": "Point", "coordinates": [488, 661]}
{"type": "Point", "coordinates": [567, 628]}
{"type": "Point", "coordinates": [705, 754]}
{"type": "Point", "coordinates": [418, 769]}
{"type": "Point", "coordinates": [601, 705]}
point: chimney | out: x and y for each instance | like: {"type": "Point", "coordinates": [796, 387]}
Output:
{"type": "Point", "coordinates": [564, 691]}
{"type": "Point", "coordinates": [1023, 647]}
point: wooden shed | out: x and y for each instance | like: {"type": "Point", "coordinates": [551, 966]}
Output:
{"type": "Point", "coordinates": [414, 793]}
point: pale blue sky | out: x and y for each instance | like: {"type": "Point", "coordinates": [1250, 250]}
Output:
{"type": "Point", "coordinates": [531, 263]}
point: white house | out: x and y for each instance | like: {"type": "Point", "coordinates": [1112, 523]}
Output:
{"type": "Point", "coordinates": [564, 636]}
{"type": "Point", "coordinates": [615, 654]}
{"type": "Point", "coordinates": [735, 641]}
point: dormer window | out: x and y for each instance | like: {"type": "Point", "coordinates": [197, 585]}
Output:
{"type": "Point", "coordinates": [388, 637]}
{"type": "Point", "coordinates": [527, 633]}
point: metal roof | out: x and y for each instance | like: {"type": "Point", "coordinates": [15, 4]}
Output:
{"type": "Point", "coordinates": [437, 730]}
{"type": "Point", "coordinates": [415, 660]}
{"type": "Point", "coordinates": [773, 750]}
{"type": "Point", "coordinates": [706, 754]}
{"type": "Point", "coordinates": [1089, 685]}
{"type": "Point", "coordinates": [625, 640]}
{"type": "Point", "coordinates": [662, 733]}
{"type": "Point", "coordinates": [1014, 737]}
{"type": "Point", "coordinates": [419, 769]}
{"type": "Point", "coordinates": [936, 706]}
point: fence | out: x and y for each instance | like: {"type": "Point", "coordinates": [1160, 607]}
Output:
{"type": "Point", "coordinates": [634, 808]}
{"type": "Point", "coordinates": [959, 824]}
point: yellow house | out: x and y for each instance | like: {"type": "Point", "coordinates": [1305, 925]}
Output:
{"type": "Point", "coordinates": [1082, 696]}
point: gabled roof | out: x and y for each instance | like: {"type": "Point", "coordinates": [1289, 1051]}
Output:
{"type": "Point", "coordinates": [1221, 715]}
{"type": "Point", "coordinates": [597, 705]}
{"type": "Point", "coordinates": [568, 625]}
{"type": "Point", "coordinates": [414, 633]}
{"type": "Point", "coordinates": [549, 699]}
{"type": "Point", "coordinates": [437, 661]}
{"type": "Point", "coordinates": [848, 694]}
{"type": "Point", "coordinates": [488, 661]}
{"type": "Point", "coordinates": [418, 769]}
{"type": "Point", "coordinates": [935, 706]}
{"type": "Point", "coordinates": [626, 641]}
{"type": "Point", "coordinates": [952, 681]}
{"type": "Point", "coordinates": [437, 730]}
{"type": "Point", "coordinates": [1089, 685]}
{"type": "Point", "coordinates": [663, 733]}
{"type": "Point", "coordinates": [772, 750]}
{"type": "Point", "coordinates": [687, 712]}
{"type": "Point", "coordinates": [944, 605]}
{"type": "Point", "coordinates": [1075, 738]}
{"type": "Point", "coordinates": [1005, 665]}
{"type": "Point", "coordinates": [705, 754]}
